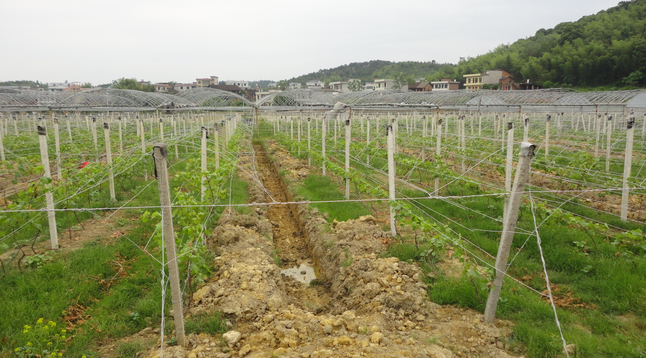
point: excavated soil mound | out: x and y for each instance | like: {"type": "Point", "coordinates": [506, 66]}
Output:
{"type": "Point", "coordinates": [361, 305]}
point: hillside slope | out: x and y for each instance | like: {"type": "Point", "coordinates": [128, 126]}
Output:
{"type": "Point", "coordinates": [368, 71]}
{"type": "Point", "coordinates": [597, 50]}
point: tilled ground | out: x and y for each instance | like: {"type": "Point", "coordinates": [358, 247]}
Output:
{"type": "Point", "coordinates": [361, 305]}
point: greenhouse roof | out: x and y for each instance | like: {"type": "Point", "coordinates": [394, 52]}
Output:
{"type": "Point", "coordinates": [209, 98]}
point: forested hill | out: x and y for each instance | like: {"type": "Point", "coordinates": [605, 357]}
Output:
{"type": "Point", "coordinates": [606, 49]}
{"type": "Point", "coordinates": [368, 71]}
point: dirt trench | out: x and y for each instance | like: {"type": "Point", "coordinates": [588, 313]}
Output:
{"type": "Point", "coordinates": [361, 305]}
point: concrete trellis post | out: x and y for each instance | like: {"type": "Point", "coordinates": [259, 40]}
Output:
{"type": "Point", "coordinates": [395, 125]}
{"type": "Point", "coordinates": [96, 147]}
{"type": "Point", "coordinates": [49, 197]}
{"type": "Point", "coordinates": [216, 146]}
{"type": "Point", "coordinates": [347, 158]}
{"type": "Point", "coordinates": [548, 120]}
{"type": "Point", "coordinates": [160, 155]}
{"type": "Point", "coordinates": [391, 177]}
{"type": "Point", "coordinates": [161, 129]}
{"type": "Point", "coordinates": [508, 165]}
{"type": "Point", "coordinates": [630, 132]}
{"type": "Point", "coordinates": [203, 161]}
{"type": "Point", "coordinates": [526, 130]}
{"type": "Point", "coordinates": [120, 137]}
{"type": "Point", "coordinates": [323, 132]}
{"type": "Point", "coordinates": [69, 130]}
{"type": "Point", "coordinates": [309, 143]}
{"type": "Point", "coordinates": [608, 142]}
{"type": "Point", "coordinates": [438, 151]}
{"type": "Point", "coordinates": [142, 133]}
{"type": "Point", "coordinates": [597, 127]}
{"type": "Point", "coordinates": [368, 140]}
{"type": "Point", "coordinates": [509, 226]}
{"type": "Point", "coordinates": [57, 142]}
{"type": "Point", "coordinates": [108, 151]}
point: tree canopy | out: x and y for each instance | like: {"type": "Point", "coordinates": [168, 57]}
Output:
{"type": "Point", "coordinates": [598, 50]}
{"type": "Point", "coordinates": [132, 84]}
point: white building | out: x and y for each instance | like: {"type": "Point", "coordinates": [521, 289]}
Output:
{"type": "Point", "coordinates": [314, 84]}
{"type": "Point", "coordinates": [162, 87]}
{"type": "Point", "coordinates": [261, 94]}
{"type": "Point", "coordinates": [60, 86]}
{"type": "Point", "coordinates": [241, 84]}
{"type": "Point", "coordinates": [383, 84]}
{"type": "Point", "coordinates": [184, 86]}
{"type": "Point", "coordinates": [295, 85]}
{"type": "Point", "coordinates": [445, 84]}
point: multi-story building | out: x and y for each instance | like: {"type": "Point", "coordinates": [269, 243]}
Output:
{"type": "Point", "coordinates": [445, 84]}
{"type": "Point", "coordinates": [205, 82]}
{"type": "Point", "coordinates": [339, 86]}
{"type": "Point", "coordinates": [474, 81]}
{"type": "Point", "coordinates": [241, 84]}
{"type": "Point", "coordinates": [162, 87]}
{"type": "Point", "coordinates": [294, 85]}
{"type": "Point", "coordinates": [383, 84]}
{"type": "Point", "coordinates": [314, 84]}
{"type": "Point", "coordinates": [184, 86]}
{"type": "Point", "coordinates": [421, 86]}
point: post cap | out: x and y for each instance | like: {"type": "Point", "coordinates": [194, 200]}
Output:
{"type": "Point", "coordinates": [527, 149]}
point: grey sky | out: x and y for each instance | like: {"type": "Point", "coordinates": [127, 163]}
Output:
{"type": "Point", "coordinates": [163, 40]}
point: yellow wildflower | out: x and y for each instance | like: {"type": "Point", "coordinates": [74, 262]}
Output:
{"type": "Point", "coordinates": [40, 320]}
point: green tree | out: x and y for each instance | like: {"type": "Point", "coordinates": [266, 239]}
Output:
{"type": "Point", "coordinates": [402, 80]}
{"type": "Point", "coordinates": [355, 85]}
{"type": "Point", "coordinates": [132, 84]}
{"type": "Point", "coordinates": [282, 85]}
{"type": "Point", "coordinates": [86, 85]}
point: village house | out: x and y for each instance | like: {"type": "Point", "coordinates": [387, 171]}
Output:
{"type": "Point", "coordinates": [445, 84]}
{"type": "Point", "coordinates": [421, 86]}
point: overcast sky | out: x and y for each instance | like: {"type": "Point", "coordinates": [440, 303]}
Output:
{"type": "Point", "coordinates": [180, 40]}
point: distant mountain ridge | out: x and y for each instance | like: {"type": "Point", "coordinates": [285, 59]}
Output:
{"type": "Point", "coordinates": [368, 71]}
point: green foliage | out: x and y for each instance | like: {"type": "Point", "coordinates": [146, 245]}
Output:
{"type": "Point", "coordinates": [355, 85]}
{"type": "Point", "coordinates": [38, 260]}
{"type": "Point", "coordinates": [31, 84]}
{"type": "Point", "coordinates": [132, 84]}
{"type": "Point", "coordinates": [129, 349]}
{"type": "Point", "coordinates": [368, 71]}
{"type": "Point", "coordinates": [402, 80]}
{"type": "Point", "coordinates": [41, 340]}
{"type": "Point", "coordinates": [603, 49]}
{"type": "Point", "coordinates": [318, 188]}
{"type": "Point", "coordinates": [212, 324]}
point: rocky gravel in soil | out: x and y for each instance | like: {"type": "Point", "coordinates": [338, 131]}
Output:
{"type": "Point", "coordinates": [361, 305]}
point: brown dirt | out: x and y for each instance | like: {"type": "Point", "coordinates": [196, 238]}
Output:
{"type": "Point", "coordinates": [364, 305]}
{"type": "Point", "coordinates": [71, 239]}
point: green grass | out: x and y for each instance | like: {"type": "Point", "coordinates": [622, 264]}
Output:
{"type": "Point", "coordinates": [208, 323]}
{"type": "Point", "coordinates": [129, 349]}
{"type": "Point", "coordinates": [80, 279]}
{"type": "Point", "coordinates": [318, 188]}
{"type": "Point", "coordinates": [240, 194]}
